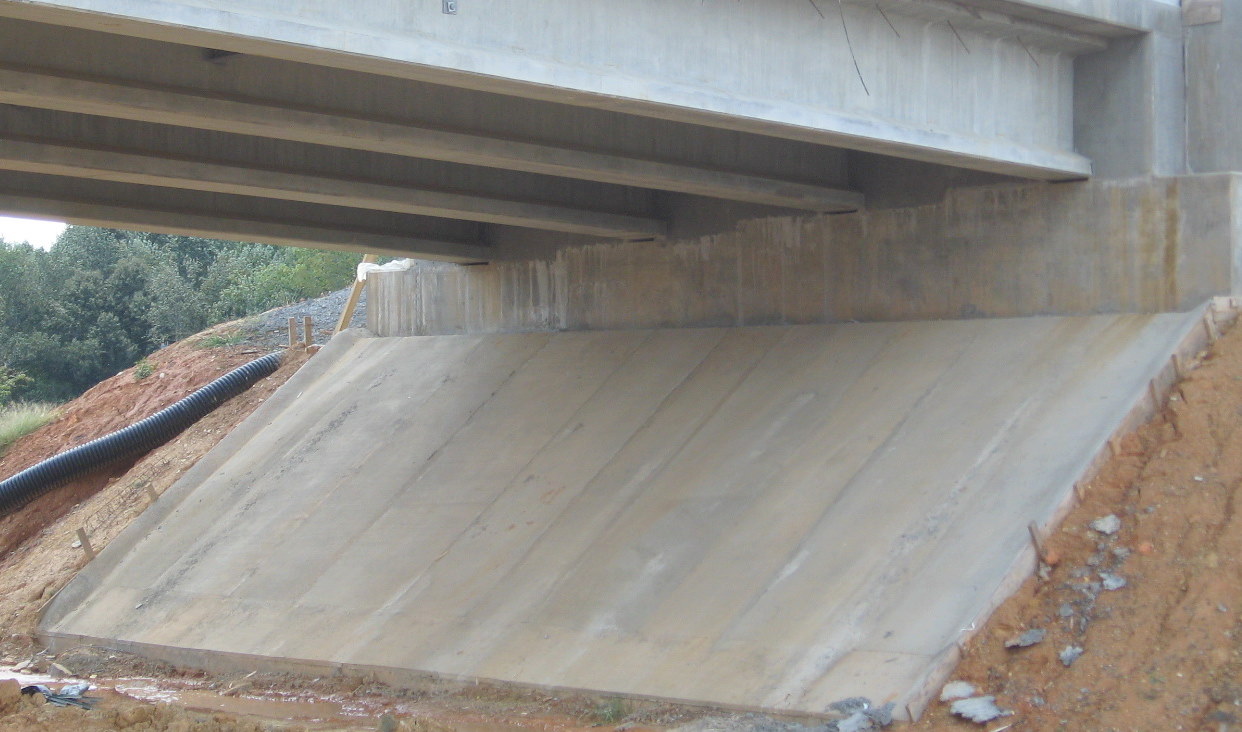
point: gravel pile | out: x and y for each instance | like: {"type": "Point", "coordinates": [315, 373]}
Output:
{"type": "Point", "coordinates": [270, 330]}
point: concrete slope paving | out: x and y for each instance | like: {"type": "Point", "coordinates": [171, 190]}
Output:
{"type": "Point", "coordinates": [773, 517]}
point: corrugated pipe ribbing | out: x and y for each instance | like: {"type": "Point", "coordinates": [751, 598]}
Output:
{"type": "Point", "coordinates": [137, 438]}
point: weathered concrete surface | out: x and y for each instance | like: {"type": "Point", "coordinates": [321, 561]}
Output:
{"type": "Point", "coordinates": [1213, 88]}
{"type": "Point", "coordinates": [775, 68]}
{"type": "Point", "coordinates": [768, 517]}
{"type": "Point", "coordinates": [1138, 245]}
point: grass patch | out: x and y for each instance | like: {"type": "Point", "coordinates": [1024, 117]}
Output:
{"type": "Point", "coordinates": [222, 339]}
{"type": "Point", "coordinates": [610, 711]}
{"type": "Point", "coordinates": [19, 419]}
{"type": "Point", "coordinates": [143, 369]}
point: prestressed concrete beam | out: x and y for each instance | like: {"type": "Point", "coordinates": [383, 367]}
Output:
{"type": "Point", "coordinates": [50, 158]}
{"type": "Point", "coordinates": [186, 108]}
{"type": "Point", "coordinates": [743, 85]}
{"type": "Point", "coordinates": [188, 223]}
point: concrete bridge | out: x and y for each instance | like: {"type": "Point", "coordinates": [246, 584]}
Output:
{"type": "Point", "coordinates": [482, 130]}
{"type": "Point", "coordinates": [669, 503]}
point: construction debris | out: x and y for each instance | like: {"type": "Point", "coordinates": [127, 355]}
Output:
{"type": "Point", "coordinates": [860, 715]}
{"type": "Point", "coordinates": [1070, 654]}
{"type": "Point", "coordinates": [957, 690]}
{"type": "Point", "coordinates": [1029, 638]}
{"type": "Point", "coordinates": [1112, 581]}
{"type": "Point", "coordinates": [979, 709]}
{"type": "Point", "coordinates": [1107, 525]}
{"type": "Point", "coordinates": [71, 695]}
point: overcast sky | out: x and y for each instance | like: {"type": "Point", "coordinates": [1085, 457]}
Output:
{"type": "Point", "coordinates": [38, 233]}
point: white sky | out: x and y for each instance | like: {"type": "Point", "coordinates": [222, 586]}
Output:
{"type": "Point", "coordinates": [38, 233]}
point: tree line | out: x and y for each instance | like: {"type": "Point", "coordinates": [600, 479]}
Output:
{"type": "Point", "coordinates": [100, 299]}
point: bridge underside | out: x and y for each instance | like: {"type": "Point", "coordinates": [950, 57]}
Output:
{"type": "Point", "coordinates": [502, 131]}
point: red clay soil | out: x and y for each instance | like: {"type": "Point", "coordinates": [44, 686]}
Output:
{"type": "Point", "coordinates": [1164, 652]}
{"type": "Point", "coordinates": [37, 555]}
{"type": "Point", "coordinates": [109, 406]}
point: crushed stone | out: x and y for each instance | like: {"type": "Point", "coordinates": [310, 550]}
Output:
{"type": "Point", "coordinates": [856, 722]}
{"type": "Point", "coordinates": [852, 705]}
{"type": "Point", "coordinates": [957, 690]}
{"type": "Point", "coordinates": [979, 709]}
{"type": "Point", "coordinates": [1070, 654]}
{"type": "Point", "coordinates": [1029, 638]}
{"type": "Point", "coordinates": [1107, 525]}
{"type": "Point", "coordinates": [1112, 581]}
{"type": "Point", "coordinates": [271, 329]}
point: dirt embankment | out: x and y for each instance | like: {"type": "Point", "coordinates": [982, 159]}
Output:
{"type": "Point", "coordinates": [37, 552]}
{"type": "Point", "coordinates": [1155, 607]}
{"type": "Point", "coordinates": [1164, 650]}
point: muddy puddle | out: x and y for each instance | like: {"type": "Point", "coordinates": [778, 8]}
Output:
{"type": "Point", "coordinates": [315, 712]}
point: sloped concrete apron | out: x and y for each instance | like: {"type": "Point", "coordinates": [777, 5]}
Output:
{"type": "Point", "coordinates": [771, 517]}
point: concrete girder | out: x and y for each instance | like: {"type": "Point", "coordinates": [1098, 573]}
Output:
{"type": "Point", "coordinates": [145, 169]}
{"type": "Point", "coordinates": [31, 88]}
{"type": "Point", "coordinates": [743, 85]}
{"type": "Point", "coordinates": [165, 141]}
{"type": "Point", "coordinates": [114, 215]}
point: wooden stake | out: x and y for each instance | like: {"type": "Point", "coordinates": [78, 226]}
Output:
{"type": "Point", "coordinates": [151, 494]}
{"type": "Point", "coordinates": [86, 544]}
{"type": "Point", "coordinates": [1037, 541]}
{"type": "Point", "coordinates": [355, 293]}
{"type": "Point", "coordinates": [293, 332]}
{"type": "Point", "coordinates": [1209, 323]}
{"type": "Point", "coordinates": [1179, 366]}
{"type": "Point", "coordinates": [1080, 491]}
{"type": "Point", "coordinates": [308, 331]}
{"type": "Point", "coordinates": [1155, 394]}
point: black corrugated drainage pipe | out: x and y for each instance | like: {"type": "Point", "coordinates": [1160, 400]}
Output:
{"type": "Point", "coordinates": [134, 439]}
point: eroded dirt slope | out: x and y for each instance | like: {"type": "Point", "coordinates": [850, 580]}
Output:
{"type": "Point", "coordinates": [37, 555]}
{"type": "Point", "coordinates": [1164, 651]}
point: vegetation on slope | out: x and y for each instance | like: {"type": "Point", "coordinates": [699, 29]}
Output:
{"type": "Point", "coordinates": [100, 299]}
{"type": "Point", "coordinates": [18, 419]}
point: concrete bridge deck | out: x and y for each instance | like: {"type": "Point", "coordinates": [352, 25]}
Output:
{"type": "Point", "coordinates": [769, 517]}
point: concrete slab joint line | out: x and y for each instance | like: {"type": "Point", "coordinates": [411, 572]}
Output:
{"type": "Point", "coordinates": [661, 514]}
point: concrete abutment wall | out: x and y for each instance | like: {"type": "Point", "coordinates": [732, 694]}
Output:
{"type": "Point", "coordinates": [1136, 245]}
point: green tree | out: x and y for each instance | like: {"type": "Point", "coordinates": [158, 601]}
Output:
{"type": "Point", "coordinates": [11, 380]}
{"type": "Point", "coordinates": [102, 298]}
